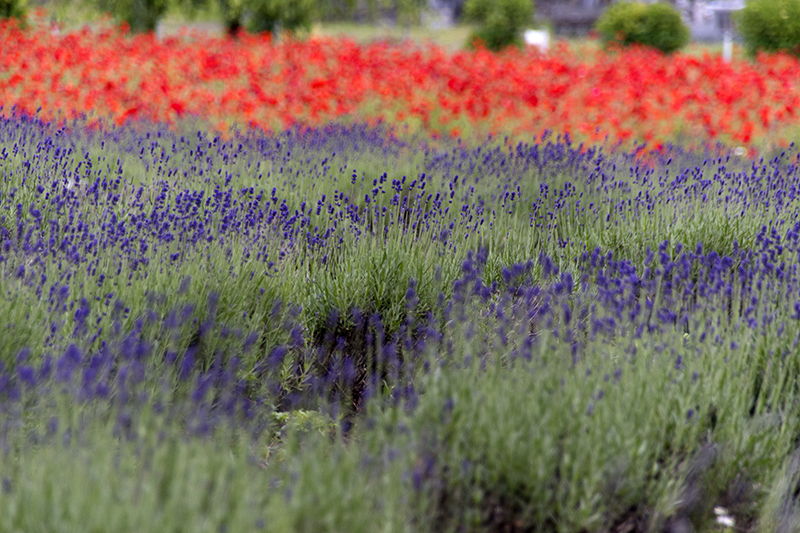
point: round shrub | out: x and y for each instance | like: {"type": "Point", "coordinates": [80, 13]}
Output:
{"type": "Point", "coordinates": [501, 21]}
{"type": "Point", "coordinates": [13, 9]}
{"type": "Point", "coordinates": [770, 26]}
{"type": "Point", "coordinates": [657, 25]}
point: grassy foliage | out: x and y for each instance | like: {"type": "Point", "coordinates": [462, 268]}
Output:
{"type": "Point", "coordinates": [415, 222]}
{"type": "Point", "coordinates": [499, 428]}
{"type": "Point", "coordinates": [340, 330]}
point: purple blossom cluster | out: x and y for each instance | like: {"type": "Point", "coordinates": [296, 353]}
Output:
{"type": "Point", "coordinates": [88, 216]}
{"type": "Point", "coordinates": [80, 208]}
{"type": "Point", "coordinates": [700, 295]}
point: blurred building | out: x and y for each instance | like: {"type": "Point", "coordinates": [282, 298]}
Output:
{"type": "Point", "coordinates": [570, 17]}
{"type": "Point", "coordinates": [707, 23]}
{"type": "Point", "coordinates": [449, 10]}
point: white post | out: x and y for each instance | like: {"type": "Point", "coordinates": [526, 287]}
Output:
{"type": "Point", "coordinates": [538, 38]}
{"type": "Point", "coordinates": [727, 45]}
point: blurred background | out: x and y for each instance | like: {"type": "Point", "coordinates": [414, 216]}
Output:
{"type": "Point", "coordinates": [448, 23]}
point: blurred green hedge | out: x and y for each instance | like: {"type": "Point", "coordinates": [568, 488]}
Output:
{"type": "Point", "coordinates": [770, 26]}
{"type": "Point", "coordinates": [657, 25]}
{"type": "Point", "coordinates": [13, 9]}
{"type": "Point", "coordinates": [276, 15]}
{"type": "Point", "coordinates": [140, 15]}
{"type": "Point", "coordinates": [260, 15]}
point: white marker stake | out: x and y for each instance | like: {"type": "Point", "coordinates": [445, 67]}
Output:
{"type": "Point", "coordinates": [727, 45]}
{"type": "Point", "coordinates": [538, 38]}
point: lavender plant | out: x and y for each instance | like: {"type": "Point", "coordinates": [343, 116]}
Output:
{"type": "Point", "coordinates": [337, 330]}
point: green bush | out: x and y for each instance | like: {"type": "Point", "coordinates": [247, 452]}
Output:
{"type": "Point", "coordinates": [276, 15]}
{"type": "Point", "coordinates": [13, 9]}
{"type": "Point", "coordinates": [770, 26]}
{"type": "Point", "coordinates": [231, 12]}
{"type": "Point", "coordinates": [657, 25]}
{"type": "Point", "coordinates": [501, 21]}
{"type": "Point", "coordinates": [141, 15]}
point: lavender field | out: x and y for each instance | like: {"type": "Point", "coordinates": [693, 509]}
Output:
{"type": "Point", "coordinates": [338, 329]}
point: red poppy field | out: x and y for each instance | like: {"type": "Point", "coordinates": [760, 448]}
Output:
{"type": "Point", "coordinates": [625, 95]}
